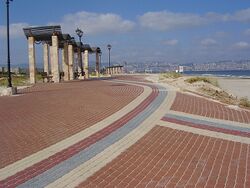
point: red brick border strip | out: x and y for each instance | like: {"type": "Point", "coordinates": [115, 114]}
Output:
{"type": "Point", "coordinates": [206, 127]}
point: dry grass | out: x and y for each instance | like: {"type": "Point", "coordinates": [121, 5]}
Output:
{"type": "Point", "coordinates": [212, 81]}
{"type": "Point", "coordinates": [244, 102]}
{"type": "Point", "coordinates": [19, 80]}
{"type": "Point", "coordinates": [172, 75]}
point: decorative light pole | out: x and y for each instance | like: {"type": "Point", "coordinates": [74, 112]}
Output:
{"type": "Point", "coordinates": [100, 55]}
{"type": "Point", "coordinates": [79, 32]}
{"type": "Point", "coordinates": [109, 48]}
{"type": "Point", "coordinates": [8, 44]}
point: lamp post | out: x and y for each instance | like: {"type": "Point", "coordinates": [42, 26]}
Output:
{"type": "Point", "coordinates": [109, 48]}
{"type": "Point", "coordinates": [8, 44]}
{"type": "Point", "coordinates": [79, 32]}
{"type": "Point", "coordinates": [100, 55]}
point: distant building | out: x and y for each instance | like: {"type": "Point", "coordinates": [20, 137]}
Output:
{"type": "Point", "coordinates": [15, 70]}
{"type": "Point", "coordinates": [1, 69]}
{"type": "Point", "coordinates": [148, 70]}
{"type": "Point", "coordinates": [181, 69]}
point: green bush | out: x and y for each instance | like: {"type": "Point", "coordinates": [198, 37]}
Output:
{"type": "Point", "coordinates": [16, 80]}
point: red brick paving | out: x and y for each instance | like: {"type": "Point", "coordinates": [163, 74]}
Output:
{"type": "Point", "coordinates": [173, 158]}
{"type": "Point", "coordinates": [46, 114]}
{"type": "Point", "coordinates": [203, 107]}
{"type": "Point", "coordinates": [63, 155]}
{"type": "Point", "coordinates": [139, 78]}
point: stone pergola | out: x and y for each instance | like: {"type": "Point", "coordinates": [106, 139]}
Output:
{"type": "Point", "coordinates": [53, 39]}
{"type": "Point", "coordinates": [116, 69]}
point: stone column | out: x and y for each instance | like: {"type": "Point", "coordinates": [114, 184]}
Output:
{"type": "Point", "coordinates": [71, 61]}
{"type": "Point", "coordinates": [46, 58]}
{"type": "Point", "coordinates": [65, 62]}
{"type": "Point", "coordinates": [97, 65]}
{"type": "Point", "coordinates": [55, 60]}
{"type": "Point", "coordinates": [32, 60]}
{"type": "Point", "coordinates": [79, 64]}
{"type": "Point", "coordinates": [86, 63]}
{"type": "Point", "coordinates": [112, 70]}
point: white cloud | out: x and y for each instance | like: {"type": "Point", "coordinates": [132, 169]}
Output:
{"type": "Point", "coordinates": [221, 34]}
{"type": "Point", "coordinates": [208, 42]}
{"type": "Point", "coordinates": [93, 23]}
{"type": "Point", "coordinates": [16, 30]}
{"type": "Point", "coordinates": [247, 32]}
{"type": "Point", "coordinates": [241, 15]}
{"type": "Point", "coordinates": [172, 42]}
{"type": "Point", "coordinates": [241, 45]}
{"type": "Point", "coordinates": [166, 20]}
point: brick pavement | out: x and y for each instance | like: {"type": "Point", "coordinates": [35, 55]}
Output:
{"type": "Point", "coordinates": [242, 130]}
{"type": "Point", "coordinates": [48, 113]}
{"type": "Point", "coordinates": [149, 155]}
{"type": "Point", "coordinates": [138, 78]}
{"type": "Point", "coordinates": [196, 105]}
{"type": "Point", "coordinates": [57, 164]}
{"type": "Point", "coordinates": [171, 158]}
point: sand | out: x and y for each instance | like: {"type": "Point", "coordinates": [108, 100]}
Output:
{"type": "Point", "coordinates": [236, 86]}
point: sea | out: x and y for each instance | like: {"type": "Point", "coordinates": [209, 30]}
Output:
{"type": "Point", "coordinates": [227, 73]}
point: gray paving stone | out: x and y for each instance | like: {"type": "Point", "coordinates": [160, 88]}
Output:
{"type": "Point", "coordinates": [209, 123]}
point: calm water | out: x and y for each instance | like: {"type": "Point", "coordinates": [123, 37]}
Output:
{"type": "Point", "coordinates": [234, 73]}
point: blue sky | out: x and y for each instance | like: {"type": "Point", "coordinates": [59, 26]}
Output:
{"type": "Point", "coordinates": [174, 31]}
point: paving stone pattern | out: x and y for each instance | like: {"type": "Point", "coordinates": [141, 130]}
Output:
{"type": "Point", "coordinates": [171, 158]}
{"type": "Point", "coordinates": [207, 125]}
{"type": "Point", "coordinates": [49, 113]}
{"type": "Point", "coordinates": [65, 161]}
{"type": "Point", "coordinates": [163, 157]}
{"type": "Point", "coordinates": [139, 78]}
{"type": "Point", "coordinates": [203, 107]}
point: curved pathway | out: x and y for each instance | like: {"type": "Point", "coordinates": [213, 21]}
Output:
{"type": "Point", "coordinates": [148, 143]}
{"type": "Point", "coordinates": [26, 172]}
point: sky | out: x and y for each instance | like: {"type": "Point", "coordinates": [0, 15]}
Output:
{"type": "Point", "coordinates": [172, 31]}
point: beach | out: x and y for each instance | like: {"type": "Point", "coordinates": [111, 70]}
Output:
{"type": "Point", "coordinates": [237, 86]}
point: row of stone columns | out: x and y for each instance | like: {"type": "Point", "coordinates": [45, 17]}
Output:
{"type": "Point", "coordinates": [114, 70]}
{"type": "Point", "coordinates": [67, 60]}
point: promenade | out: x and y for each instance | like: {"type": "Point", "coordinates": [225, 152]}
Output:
{"type": "Point", "coordinates": [121, 132]}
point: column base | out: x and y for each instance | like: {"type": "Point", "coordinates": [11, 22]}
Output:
{"type": "Point", "coordinates": [9, 91]}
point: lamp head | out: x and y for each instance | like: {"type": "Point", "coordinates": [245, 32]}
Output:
{"type": "Point", "coordinates": [109, 46]}
{"type": "Point", "coordinates": [79, 32]}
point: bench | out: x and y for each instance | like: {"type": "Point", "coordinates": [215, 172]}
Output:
{"type": "Point", "coordinates": [46, 76]}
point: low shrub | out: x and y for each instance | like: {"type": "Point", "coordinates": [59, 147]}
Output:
{"type": "Point", "coordinates": [171, 75]}
{"type": "Point", "coordinates": [244, 102]}
{"type": "Point", "coordinates": [16, 81]}
{"type": "Point", "coordinates": [212, 81]}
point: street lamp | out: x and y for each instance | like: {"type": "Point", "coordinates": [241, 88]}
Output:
{"type": "Point", "coordinates": [109, 48]}
{"type": "Point", "coordinates": [79, 32]}
{"type": "Point", "coordinates": [100, 55]}
{"type": "Point", "coordinates": [8, 44]}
